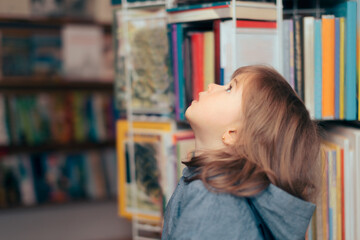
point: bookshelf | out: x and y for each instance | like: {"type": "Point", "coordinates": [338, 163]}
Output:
{"type": "Point", "coordinates": [292, 56]}
{"type": "Point", "coordinates": [142, 18]}
{"type": "Point", "coordinates": [71, 114]}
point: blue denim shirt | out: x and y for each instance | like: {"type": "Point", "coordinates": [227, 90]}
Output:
{"type": "Point", "coordinates": [195, 213]}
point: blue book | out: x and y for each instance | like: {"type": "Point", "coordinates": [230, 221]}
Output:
{"type": "Point", "coordinates": [337, 68]}
{"type": "Point", "coordinates": [318, 69]}
{"type": "Point", "coordinates": [179, 41]}
{"type": "Point", "coordinates": [198, 6]}
{"type": "Point", "coordinates": [348, 11]}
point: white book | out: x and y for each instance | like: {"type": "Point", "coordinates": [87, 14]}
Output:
{"type": "Point", "coordinates": [82, 51]}
{"type": "Point", "coordinates": [286, 49]}
{"type": "Point", "coordinates": [257, 46]}
{"type": "Point", "coordinates": [227, 43]}
{"type": "Point", "coordinates": [309, 63]}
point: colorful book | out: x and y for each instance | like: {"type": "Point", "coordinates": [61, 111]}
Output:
{"type": "Point", "coordinates": [211, 11]}
{"type": "Point", "coordinates": [328, 61]}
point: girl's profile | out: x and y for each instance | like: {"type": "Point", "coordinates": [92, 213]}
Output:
{"type": "Point", "coordinates": [254, 165]}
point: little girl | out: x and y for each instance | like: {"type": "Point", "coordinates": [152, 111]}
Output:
{"type": "Point", "coordinates": [253, 172]}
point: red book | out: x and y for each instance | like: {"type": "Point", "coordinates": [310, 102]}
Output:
{"type": "Point", "coordinates": [255, 24]}
{"type": "Point", "coordinates": [197, 56]}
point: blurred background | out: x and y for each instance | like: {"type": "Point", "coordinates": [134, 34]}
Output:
{"type": "Point", "coordinates": [57, 121]}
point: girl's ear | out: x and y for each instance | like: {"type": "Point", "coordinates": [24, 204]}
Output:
{"type": "Point", "coordinates": [229, 137]}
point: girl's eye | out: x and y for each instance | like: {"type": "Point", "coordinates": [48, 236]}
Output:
{"type": "Point", "coordinates": [229, 88]}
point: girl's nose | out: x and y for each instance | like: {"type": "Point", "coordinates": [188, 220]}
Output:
{"type": "Point", "coordinates": [211, 86]}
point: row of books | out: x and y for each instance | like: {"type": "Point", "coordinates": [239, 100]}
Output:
{"type": "Point", "coordinates": [27, 180]}
{"type": "Point", "coordinates": [78, 51]}
{"type": "Point", "coordinates": [337, 214]}
{"type": "Point", "coordinates": [158, 150]}
{"type": "Point", "coordinates": [97, 10]}
{"type": "Point", "coordinates": [204, 54]}
{"type": "Point", "coordinates": [61, 118]}
{"type": "Point", "coordinates": [320, 61]}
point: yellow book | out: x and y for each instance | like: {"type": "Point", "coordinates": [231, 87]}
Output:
{"type": "Point", "coordinates": [342, 67]}
{"type": "Point", "coordinates": [146, 136]}
{"type": "Point", "coordinates": [209, 59]}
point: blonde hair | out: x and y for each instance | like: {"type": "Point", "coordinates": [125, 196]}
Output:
{"type": "Point", "coordinates": [278, 142]}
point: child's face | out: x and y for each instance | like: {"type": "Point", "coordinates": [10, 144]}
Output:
{"type": "Point", "coordinates": [217, 109]}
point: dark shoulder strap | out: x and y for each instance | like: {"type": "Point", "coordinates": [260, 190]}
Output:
{"type": "Point", "coordinates": [265, 231]}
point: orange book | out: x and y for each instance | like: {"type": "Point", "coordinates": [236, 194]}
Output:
{"type": "Point", "coordinates": [197, 47]}
{"type": "Point", "coordinates": [328, 66]}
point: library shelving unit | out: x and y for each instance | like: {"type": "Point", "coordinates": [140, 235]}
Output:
{"type": "Point", "coordinates": [312, 43]}
{"type": "Point", "coordinates": [138, 47]}
{"type": "Point", "coordinates": [35, 93]}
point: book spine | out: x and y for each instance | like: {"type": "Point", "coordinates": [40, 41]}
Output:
{"type": "Point", "coordinates": [337, 68]}
{"type": "Point", "coordinates": [342, 68]}
{"type": "Point", "coordinates": [318, 69]}
{"type": "Point", "coordinates": [175, 69]}
{"type": "Point", "coordinates": [180, 58]}
{"type": "Point", "coordinates": [328, 52]}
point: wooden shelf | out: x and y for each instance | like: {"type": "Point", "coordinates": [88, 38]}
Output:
{"type": "Point", "coordinates": [60, 147]}
{"type": "Point", "coordinates": [49, 20]}
{"type": "Point", "coordinates": [70, 203]}
{"type": "Point", "coordinates": [26, 84]}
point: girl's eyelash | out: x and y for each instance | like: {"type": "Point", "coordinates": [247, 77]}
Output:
{"type": "Point", "coordinates": [228, 89]}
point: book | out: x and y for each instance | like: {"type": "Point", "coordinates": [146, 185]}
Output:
{"type": "Point", "coordinates": [342, 69]}
{"type": "Point", "coordinates": [209, 58]}
{"type": "Point", "coordinates": [149, 59]}
{"type": "Point", "coordinates": [4, 134]}
{"type": "Point", "coordinates": [211, 11]}
{"type": "Point", "coordinates": [337, 68]}
{"type": "Point", "coordinates": [328, 61]}
{"type": "Point", "coordinates": [286, 49]}
{"type": "Point", "coordinates": [146, 147]}
{"type": "Point", "coordinates": [188, 71]}
{"type": "Point", "coordinates": [256, 43]}
{"type": "Point", "coordinates": [298, 56]}
{"type": "Point", "coordinates": [348, 10]}
{"type": "Point", "coordinates": [180, 64]}
{"type": "Point", "coordinates": [46, 55]}
{"type": "Point", "coordinates": [344, 181]}
{"type": "Point", "coordinates": [216, 27]}
{"type": "Point", "coordinates": [197, 47]}
{"type": "Point", "coordinates": [82, 51]}
{"type": "Point", "coordinates": [318, 69]}
{"type": "Point", "coordinates": [353, 135]}
{"type": "Point", "coordinates": [309, 64]}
